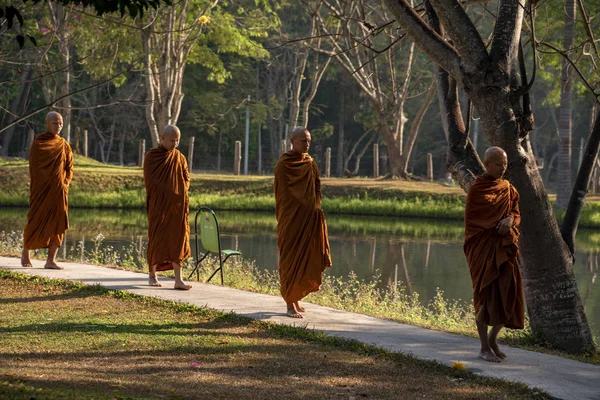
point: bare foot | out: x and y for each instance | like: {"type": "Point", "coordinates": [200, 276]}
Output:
{"type": "Point", "coordinates": [25, 260]}
{"type": "Point", "coordinates": [497, 351]}
{"type": "Point", "coordinates": [52, 265]}
{"type": "Point", "coordinates": [488, 355]}
{"type": "Point", "coordinates": [298, 307]}
{"type": "Point", "coordinates": [153, 281]}
{"type": "Point", "coordinates": [182, 286]}
{"type": "Point", "coordinates": [294, 314]}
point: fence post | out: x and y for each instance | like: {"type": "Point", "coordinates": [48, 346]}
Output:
{"type": "Point", "coordinates": [142, 152]}
{"type": "Point", "coordinates": [429, 167]}
{"type": "Point", "coordinates": [328, 162]}
{"type": "Point", "coordinates": [375, 161]}
{"type": "Point", "coordinates": [191, 154]}
{"type": "Point", "coordinates": [237, 157]}
{"type": "Point", "coordinates": [85, 142]}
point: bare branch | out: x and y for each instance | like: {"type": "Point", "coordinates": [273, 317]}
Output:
{"type": "Point", "coordinates": [465, 37]}
{"type": "Point", "coordinates": [507, 33]}
{"type": "Point", "coordinates": [51, 104]}
{"type": "Point", "coordinates": [575, 67]}
{"type": "Point", "coordinates": [428, 40]}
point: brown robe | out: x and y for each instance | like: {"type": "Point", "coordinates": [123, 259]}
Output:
{"type": "Point", "coordinates": [301, 229]}
{"type": "Point", "coordinates": [492, 258]}
{"type": "Point", "coordinates": [51, 171]}
{"type": "Point", "coordinates": [167, 182]}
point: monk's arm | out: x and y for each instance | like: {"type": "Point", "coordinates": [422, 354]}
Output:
{"type": "Point", "coordinates": [186, 173]}
{"type": "Point", "coordinates": [68, 165]}
{"type": "Point", "coordinates": [515, 213]}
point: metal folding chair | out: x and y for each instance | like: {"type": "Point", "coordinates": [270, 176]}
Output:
{"type": "Point", "coordinates": [210, 236]}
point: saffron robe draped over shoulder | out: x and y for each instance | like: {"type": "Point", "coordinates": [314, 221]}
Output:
{"type": "Point", "coordinates": [167, 182]}
{"type": "Point", "coordinates": [493, 258]}
{"type": "Point", "coordinates": [301, 228]}
{"type": "Point", "coordinates": [51, 171]}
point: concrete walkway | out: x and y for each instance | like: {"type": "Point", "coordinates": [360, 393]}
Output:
{"type": "Point", "coordinates": [561, 377]}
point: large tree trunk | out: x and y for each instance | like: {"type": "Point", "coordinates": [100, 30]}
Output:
{"type": "Point", "coordinates": [409, 143]}
{"type": "Point", "coordinates": [340, 148]}
{"type": "Point", "coordinates": [554, 306]}
{"type": "Point", "coordinates": [563, 189]}
{"type": "Point", "coordinates": [60, 17]}
{"type": "Point", "coordinates": [17, 107]}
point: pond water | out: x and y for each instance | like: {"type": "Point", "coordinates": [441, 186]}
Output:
{"type": "Point", "coordinates": [424, 255]}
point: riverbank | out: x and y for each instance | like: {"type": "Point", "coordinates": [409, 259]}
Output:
{"type": "Point", "coordinates": [100, 186]}
{"type": "Point", "coordinates": [96, 185]}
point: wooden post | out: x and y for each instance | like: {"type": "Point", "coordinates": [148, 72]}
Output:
{"type": "Point", "coordinates": [82, 249]}
{"type": "Point", "coordinates": [30, 136]}
{"type": "Point", "coordinates": [430, 167]}
{"type": "Point", "coordinates": [85, 142]}
{"type": "Point", "coordinates": [237, 157]}
{"type": "Point", "coordinates": [142, 152]}
{"type": "Point", "coordinates": [259, 169]}
{"type": "Point", "coordinates": [191, 154]}
{"type": "Point", "coordinates": [328, 162]}
{"type": "Point", "coordinates": [121, 150]}
{"type": "Point", "coordinates": [375, 161]}
{"type": "Point", "coordinates": [283, 147]}
{"type": "Point", "coordinates": [64, 244]}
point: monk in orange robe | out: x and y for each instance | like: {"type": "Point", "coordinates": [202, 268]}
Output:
{"type": "Point", "coordinates": [301, 229]}
{"type": "Point", "coordinates": [50, 171]}
{"type": "Point", "coordinates": [167, 182]}
{"type": "Point", "coordinates": [492, 221]}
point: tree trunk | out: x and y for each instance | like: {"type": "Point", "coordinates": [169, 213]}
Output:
{"type": "Point", "coordinates": [17, 107]}
{"type": "Point", "coordinates": [564, 122]}
{"type": "Point", "coordinates": [340, 147]}
{"type": "Point", "coordinates": [414, 128]}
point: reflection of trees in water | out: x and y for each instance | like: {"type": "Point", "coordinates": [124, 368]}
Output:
{"type": "Point", "coordinates": [395, 260]}
{"type": "Point", "coordinates": [592, 263]}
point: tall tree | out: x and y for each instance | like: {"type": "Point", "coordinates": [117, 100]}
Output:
{"type": "Point", "coordinates": [565, 120]}
{"type": "Point", "coordinates": [491, 80]}
{"type": "Point", "coordinates": [195, 31]}
{"type": "Point", "coordinates": [365, 45]}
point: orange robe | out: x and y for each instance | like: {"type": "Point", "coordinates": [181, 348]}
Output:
{"type": "Point", "coordinates": [51, 171]}
{"type": "Point", "coordinates": [301, 229]}
{"type": "Point", "coordinates": [167, 182]}
{"type": "Point", "coordinates": [492, 258]}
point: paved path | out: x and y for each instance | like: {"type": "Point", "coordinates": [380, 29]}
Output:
{"type": "Point", "coordinates": [561, 377]}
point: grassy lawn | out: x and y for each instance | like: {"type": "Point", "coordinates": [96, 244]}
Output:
{"type": "Point", "coordinates": [62, 340]}
{"type": "Point", "coordinates": [96, 185]}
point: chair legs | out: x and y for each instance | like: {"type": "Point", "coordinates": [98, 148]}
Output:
{"type": "Point", "coordinates": [196, 270]}
{"type": "Point", "coordinates": [220, 269]}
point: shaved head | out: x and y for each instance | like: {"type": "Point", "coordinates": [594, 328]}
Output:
{"type": "Point", "coordinates": [169, 129]}
{"type": "Point", "coordinates": [495, 162]}
{"type": "Point", "coordinates": [300, 140]}
{"type": "Point", "coordinates": [298, 131]}
{"type": "Point", "coordinates": [54, 122]}
{"type": "Point", "coordinates": [494, 152]}
{"type": "Point", "coordinates": [170, 137]}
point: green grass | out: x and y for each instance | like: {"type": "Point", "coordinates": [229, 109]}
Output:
{"type": "Point", "coordinates": [64, 340]}
{"type": "Point", "coordinates": [100, 186]}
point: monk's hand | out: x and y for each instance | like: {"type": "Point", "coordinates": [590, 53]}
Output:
{"type": "Point", "coordinates": [504, 225]}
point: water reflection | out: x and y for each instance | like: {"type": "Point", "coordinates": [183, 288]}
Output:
{"type": "Point", "coordinates": [423, 255]}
